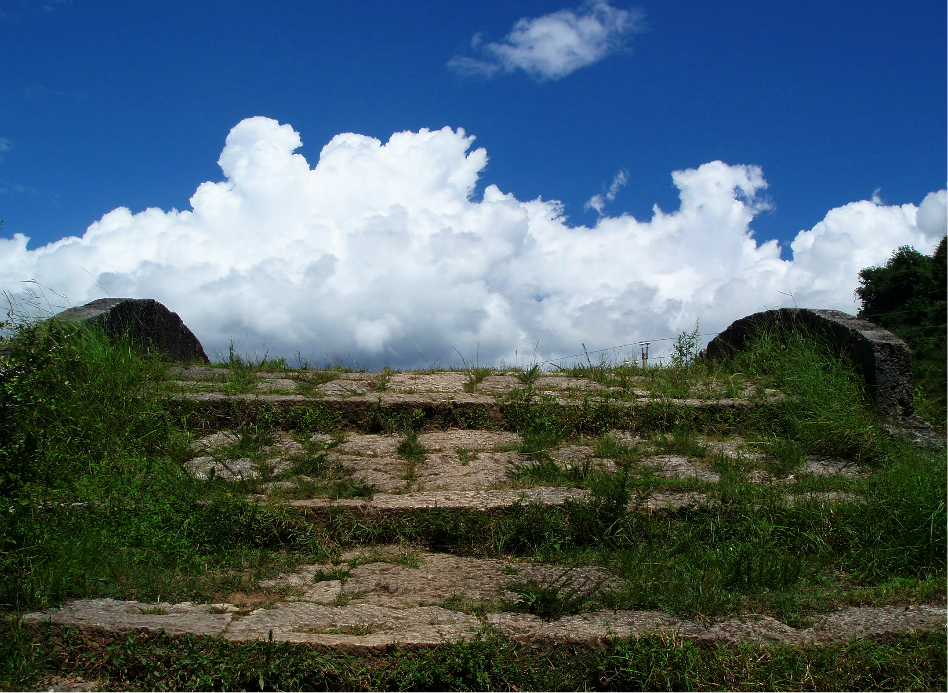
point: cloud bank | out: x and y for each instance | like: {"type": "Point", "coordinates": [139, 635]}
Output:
{"type": "Point", "coordinates": [379, 254]}
{"type": "Point", "coordinates": [554, 45]}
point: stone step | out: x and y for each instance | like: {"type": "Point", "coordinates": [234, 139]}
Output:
{"type": "Point", "coordinates": [450, 398]}
{"type": "Point", "coordinates": [483, 470]}
{"type": "Point", "coordinates": [379, 597]}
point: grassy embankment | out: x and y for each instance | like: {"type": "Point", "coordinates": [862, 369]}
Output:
{"type": "Point", "coordinates": [95, 502]}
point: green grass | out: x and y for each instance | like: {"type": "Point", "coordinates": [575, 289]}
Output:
{"type": "Point", "coordinates": [137, 661]}
{"type": "Point", "coordinates": [95, 502]}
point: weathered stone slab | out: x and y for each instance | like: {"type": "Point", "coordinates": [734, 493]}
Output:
{"type": "Point", "coordinates": [378, 576]}
{"type": "Point", "coordinates": [578, 456]}
{"type": "Point", "coordinates": [445, 471]}
{"type": "Point", "coordinates": [884, 359]}
{"type": "Point", "coordinates": [466, 439]}
{"type": "Point", "coordinates": [365, 628]}
{"type": "Point", "coordinates": [356, 628]}
{"type": "Point", "coordinates": [386, 474]}
{"type": "Point", "coordinates": [146, 322]}
{"type": "Point", "coordinates": [670, 466]}
{"type": "Point", "coordinates": [448, 381]}
{"type": "Point", "coordinates": [110, 614]}
{"type": "Point", "coordinates": [459, 500]}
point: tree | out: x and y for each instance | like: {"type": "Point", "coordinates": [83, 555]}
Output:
{"type": "Point", "coordinates": [907, 296]}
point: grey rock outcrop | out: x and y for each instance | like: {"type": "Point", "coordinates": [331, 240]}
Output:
{"type": "Point", "coordinates": [884, 360]}
{"type": "Point", "coordinates": [147, 322]}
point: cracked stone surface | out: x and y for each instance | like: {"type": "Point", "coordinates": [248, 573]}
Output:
{"type": "Point", "coordinates": [197, 372]}
{"type": "Point", "coordinates": [469, 440]}
{"type": "Point", "coordinates": [577, 456]}
{"type": "Point", "coordinates": [428, 382]}
{"type": "Point", "coordinates": [499, 384]}
{"type": "Point", "coordinates": [371, 445]}
{"type": "Point", "coordinates": [467, 469]}
{"type": "Point", "coordinates": [345, 387]}
{"type": "Point", "coordinates": [273, 384]}
{"type": "Point", "coordinates": [376, 597]}
{"type": "Point", "coordinates": [436, 578]}
{"type": "Point", "coordinates": [463, 500]}
{"type": "Point", "coordinates": [386, 474]}
{"type": "Point", "coordinates": [215, 441]}
{"type": "Point", "coordinates": [733, 448]}
{"type": "Point", "coordinates": [445, 471]}
{"type": "Point", "coordinates": [280, 457]}
{"type": "Point", "coordinates": [399, 595]}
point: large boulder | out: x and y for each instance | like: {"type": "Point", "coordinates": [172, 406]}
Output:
{"type": "Point", "coordinates": [884, 360]}
{"type": "Point", "coordinates": [147, 323]}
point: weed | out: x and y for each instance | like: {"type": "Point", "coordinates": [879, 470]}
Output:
{"type": "Point", "coordinates": [786, 455]}
{"type": "Point", "coordinates": [334, 573]}
{"type": "Point", "coordinates": [470, 605]}
{"type": "Point", "coordinates": [410, 449]}
{"type": "Point", "coordinates": [685, 348]}
{"type": "Point", "coordinates": [529, 377]}
{"type": "Point", "coordinates": [382, 379]}
{"type": "Point", "coordinates": [241, 373]}
{"type": "Point", "coordinates": [681, 442]}
{"type": "Point", "coordinates": [465, 455]}
{"type": "Point", "coordinates": [557, 597]}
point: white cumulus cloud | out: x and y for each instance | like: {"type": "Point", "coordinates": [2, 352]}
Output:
{"type": "Point", "coordinates": [381, 253]}
{"type": "Point", "coordinates": [554, 45]}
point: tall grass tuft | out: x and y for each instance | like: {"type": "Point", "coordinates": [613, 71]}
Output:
{"type": "Point", "coordinates": [826, 407]}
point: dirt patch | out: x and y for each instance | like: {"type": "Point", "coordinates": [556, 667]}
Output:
{"type": "Point", "coordinates": [253, 599]}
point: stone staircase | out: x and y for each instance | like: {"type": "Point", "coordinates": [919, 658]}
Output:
{"type": "Point", "coordinates": [376, 445]}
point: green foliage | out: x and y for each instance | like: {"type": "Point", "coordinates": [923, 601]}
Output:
{"type": "Point", "coordinates": [487, 661]}
{"type": "Point", "coordinates": [563, 595]}
{"type": "Point", "coordinates": [686, 347]}
{"type": "Point", "coordinates": [94, 500]}
{"type": "Point", "coordinates": [909, 297]}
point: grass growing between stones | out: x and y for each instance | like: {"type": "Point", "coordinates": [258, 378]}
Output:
{"type": "Point", "coordinates": [487, 662]}
{"type": "Point", "coordinates": [95, 502]}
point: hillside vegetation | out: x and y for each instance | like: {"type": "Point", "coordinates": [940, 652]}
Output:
{"type": "Point", "coordinates": [97, 500]}
{"type": "Point", "coordinates": [908, 296]}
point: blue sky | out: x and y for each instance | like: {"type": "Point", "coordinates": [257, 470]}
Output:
{"type": "Point", "coordinates": [108, 105]}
